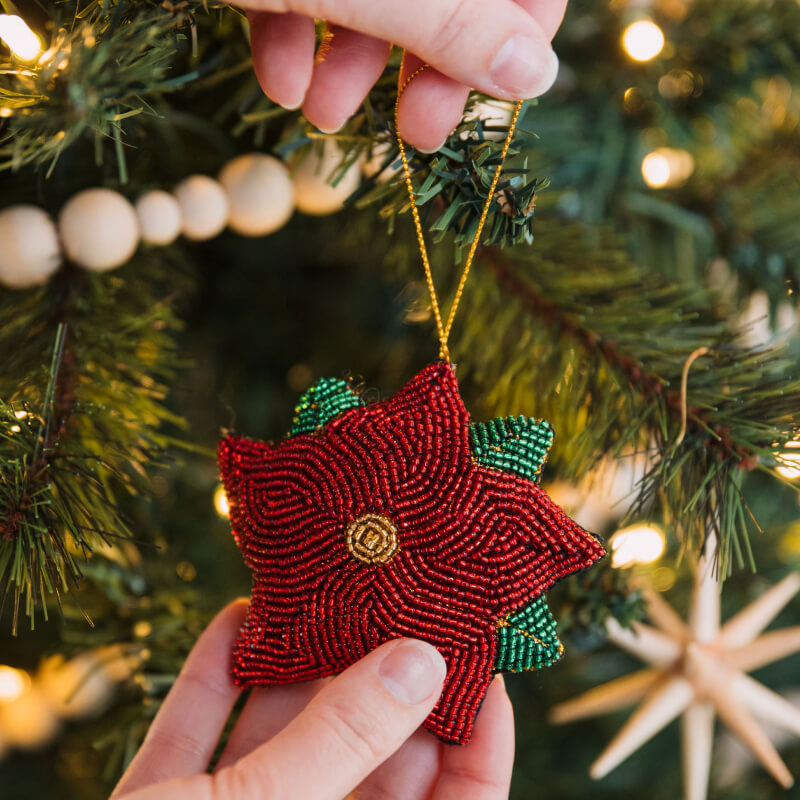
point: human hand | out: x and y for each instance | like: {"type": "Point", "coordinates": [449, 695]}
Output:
{"type": "Point", "coordinates": [500, 47]}
{"type": "Point", "coordinates": [321, 739]}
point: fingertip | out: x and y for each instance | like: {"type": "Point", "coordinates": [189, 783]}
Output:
{"type": "Point", "coordinates": [501, 701]}
{"type": "Point", "coordinates": [230, 618]}
{"type": "Point", "coordinates": [341, 80]}
{"type": "Point", "coordinates": [412, 671]}
{"type": "Point", "coordinates": [430, 107]}
{"type": "Point", "coordinates": [283, 55]}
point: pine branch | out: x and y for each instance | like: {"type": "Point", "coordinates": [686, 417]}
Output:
{"type": "Point", "coordinates": [107, 65]}
{"type": "Point", "coordinates": [77, 437]}
{"type": "Point", "coordinates": [571, 331]}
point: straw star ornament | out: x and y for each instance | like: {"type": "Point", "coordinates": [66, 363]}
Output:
{"type": "Point", "coordinates": [698, 670]}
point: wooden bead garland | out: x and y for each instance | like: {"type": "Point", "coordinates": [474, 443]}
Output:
{"type": "Point", "coordinates": [100, 230]}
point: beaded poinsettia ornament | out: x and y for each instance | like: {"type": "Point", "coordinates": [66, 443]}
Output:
{"type": "Point", "coordinates": [401, 518]}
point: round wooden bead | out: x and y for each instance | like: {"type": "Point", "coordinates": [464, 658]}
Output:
{"type": "Point", "coordinates": [99, 229]}
{"type": "Point", "coordinates": [494, 113]}
{"type": "Point", "coordinates": [159, 217]}
{"type": "Point", "coordinates": [29, 253]}
{"type": "Point", "coordinates": [260, 194]}
{"type": "Point", "coordinates": [313, 193]}
{"type": "Point", "coordinates": [204, 207]}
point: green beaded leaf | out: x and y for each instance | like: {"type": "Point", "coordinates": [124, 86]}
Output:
{"type": "Point", "coordinates": [527, 639]}
{"type": "Point", "coordinates": [513, 444]}
{"type": "Point", "coordinates": [326, 399]}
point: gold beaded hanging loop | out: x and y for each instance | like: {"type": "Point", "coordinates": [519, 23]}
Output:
{"type": "Point", "coordinates": [443, 329]}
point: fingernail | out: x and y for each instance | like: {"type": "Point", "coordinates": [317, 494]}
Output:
{"type": "Point", "coordinates": [411, 671]}
{"type": "Point", "coordinates": [500, 679]}
{"type": "Point", "coordinates": [334, 129]}
{"type": "Point", "coordinates": [525, 66]}
{"type": "Point", "coordinates": [434, 149]}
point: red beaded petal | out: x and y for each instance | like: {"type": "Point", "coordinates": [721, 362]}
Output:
{"type": "Point", "coordinates": [472, 544]}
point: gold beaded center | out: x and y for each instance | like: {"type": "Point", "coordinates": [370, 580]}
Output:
{"type": "Point", "coordinates": [372, 539]}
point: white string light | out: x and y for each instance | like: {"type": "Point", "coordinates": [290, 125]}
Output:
{"type": "Point", "coordinates": [19, 38]}
{"type": "Point", "coordinates": [667, 166]}
{"type": "Point", "coordinates": [638, 544]}
{"type": "Point", "coordinates": [643, 40]}
{"type": "Point", "coordinates": [13, 683]}
{"type": "Point", "coordinates": [790, 462]}
{"type": "Point", "coordinates": [221, 501]}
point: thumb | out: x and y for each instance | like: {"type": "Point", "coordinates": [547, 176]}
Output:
{"type": "Point", "coordinates": [353, 725]}
{"type": "Point", "coordinates": [495, 47]}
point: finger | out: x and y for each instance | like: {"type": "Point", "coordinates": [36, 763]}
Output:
{"type": "Point", "coordinates": [346, 731]}
{"type": "Point", "coordinates": [184, 733]}
{"type": "Point", "coordinates": [283, 55]}
{"type": "Point", "coordinates": [548, 13]}
{"type": "Point", "coordinates": [266, 712]}
{"type": "Point", "coordinates": [481, 770]}
{"type": "Point", "coordinates": [430, 106]}
{"type": "Point", "coordinates": [496, 47]}
{"type": "Point", "coordinates": [409, 774]}
{"type": "Point", "coordinates": [343, 77]}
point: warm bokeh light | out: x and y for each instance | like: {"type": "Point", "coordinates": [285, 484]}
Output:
{"type": "Point", "coordinates": [19, 38]}
{"type": "Point", "coordinates": [221, 501]}
{"type": "Point", "coordinates": [186, 571]}
{"type": "Point", "coordinates": [655, 170]}
{"type": "Point", "coordinates": [790, 462]}
{"type": "Point", "coordinates": [667, 166]}
{"type": "Point", "coordinates": [662, 579]}
{"type": "Point", "coordinates": [638, 544]}
{"type": "Point", "coordinates": [20, 414]}
{"type": "Point", "coordinates": [13, 683]}
{"type": "Point", "coordinates": [643, 40]}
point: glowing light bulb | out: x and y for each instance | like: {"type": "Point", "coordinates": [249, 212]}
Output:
{"type": "Point", "coordinates": [221, 502]}
{"type": "Point", "coordinates": [643, 40]}
{"type": "Point", "coordinates": [639, 544]}
{"type": "Point", "coordinates": [20, 414]}
{"type": "Point", "coordinates": [13, 683]}
{"type": "Point", "coordinates": [19, 38]}
{"type": "Point", "coordinates": [667, 166]}
{"type": "Point", "coordinates": [655, 170]}
{"type": "Point", "coordinates": [790, 461]}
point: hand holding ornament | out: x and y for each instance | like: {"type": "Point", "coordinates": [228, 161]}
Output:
{"type": "Point", "coordinates": [320, 739]}
{"type": "Point", "coordinates": [501, 48]}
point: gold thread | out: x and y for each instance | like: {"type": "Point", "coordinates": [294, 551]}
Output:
{"type": "Point", "coordinates": [372, 539]}
{"type": "Point", "coordinates": [504, 623]}
{"type": "Point", "coordinates": [325, 45]}
{"type": "Point", "coordinates": [444, 329]}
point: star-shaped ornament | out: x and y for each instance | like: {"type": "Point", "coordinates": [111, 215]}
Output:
{"type": "Point", "coordinates": [399, 518]}
{"type": "Point", "coordinates": [698, 669]}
